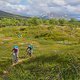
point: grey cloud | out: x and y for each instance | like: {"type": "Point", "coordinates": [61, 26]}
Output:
{"type": "Point", "coordinates": [73, 2]}
{"type": "Point", "coordinates": [39, 7]}
{"type": "Point", "coordinates": [11, 1]}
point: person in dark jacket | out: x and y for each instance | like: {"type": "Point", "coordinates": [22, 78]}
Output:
{"type": "Point", "coordinates": [29, 50]}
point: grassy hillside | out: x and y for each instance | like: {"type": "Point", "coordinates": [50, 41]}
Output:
{"type": "Point", "coordinates": [56, 53]}
{"type": "Point", "coordinates": [9, 15]}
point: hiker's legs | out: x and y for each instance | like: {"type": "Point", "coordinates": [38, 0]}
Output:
{"type": "Point", "coordinates": [16, 60]}
{"type": "Point", "coordinates": [13, 58]}
{"type": "Point", "coordinates": [29, 52]}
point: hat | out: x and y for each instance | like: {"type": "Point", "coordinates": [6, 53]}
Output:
{"type": "Point", "coordinates": [15, 46]}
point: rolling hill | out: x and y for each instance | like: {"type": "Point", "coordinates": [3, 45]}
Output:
{"type": "Point", "coordinates": [9, 15]}
{"type": "Point", "coordinates": [57, 59]}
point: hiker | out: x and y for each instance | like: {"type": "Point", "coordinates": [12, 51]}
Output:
{"type": "Point", "coordinates": [15, 51]}
{"type": "Point", "coordinates": [29, 50]}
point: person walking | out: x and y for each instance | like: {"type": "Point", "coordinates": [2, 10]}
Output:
{"type": "Point", "coordinates": [15, 53]}
{"type": "Point", "coordinates": [29, 50]}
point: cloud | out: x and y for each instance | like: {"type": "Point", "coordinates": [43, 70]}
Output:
{"type": "Point", "coordinates": [12, 1]}
{"type": "Point", "coordinates": [73, 2]}
{"type": "Point", "coordinates": [39, 7]}
{"type": "Point", "coordinates": [73, 9]}
{"type": "Point", "coordinates": [59, 2]}
{"type": "Point", "coordinates": [16, 7]}
{"type": "Point", "coordinates": [70, 8]}
{"type": "Point", "coordinates": [11, 7]}
{"type": "Point", "coordinates": [77, 9]}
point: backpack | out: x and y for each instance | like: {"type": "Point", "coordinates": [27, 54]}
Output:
{"type": "Point", "coordinates": [30, 47]}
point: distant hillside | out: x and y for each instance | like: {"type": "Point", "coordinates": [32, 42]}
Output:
{"type": "Point", "coordinates": [45, 16]}
{"type": "Point", "coordinates": [9, 15]}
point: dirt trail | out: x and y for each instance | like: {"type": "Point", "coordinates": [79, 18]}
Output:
{"type": "Point", "coordinates": [19, 61]}
{"type": "Point", "coordinates": [6, 72]}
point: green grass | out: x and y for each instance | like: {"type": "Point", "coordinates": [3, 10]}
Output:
{"type": "Point", "coordinates": [56, 54]}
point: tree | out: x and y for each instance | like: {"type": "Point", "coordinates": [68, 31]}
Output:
{"type": "Point", "coordinates": [62, 22]}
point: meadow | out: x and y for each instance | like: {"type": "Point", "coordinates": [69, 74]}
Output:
{"type": "Point", "coordinates": [56, 53]}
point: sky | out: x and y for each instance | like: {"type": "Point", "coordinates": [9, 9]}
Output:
{"type": "Point", "coordinates": [41, 7]}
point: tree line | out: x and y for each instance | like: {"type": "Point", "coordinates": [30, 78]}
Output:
{"type": "Point", "coordinates": [37, 21]}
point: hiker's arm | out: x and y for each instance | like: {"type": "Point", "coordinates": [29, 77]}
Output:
{"type": "Point", "coordinates": [26, 49]}
{"type": "Point", "coordinates": [12, 50]}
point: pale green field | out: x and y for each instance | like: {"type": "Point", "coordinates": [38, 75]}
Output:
{"type": "Point", "coordinates": [56, 53]}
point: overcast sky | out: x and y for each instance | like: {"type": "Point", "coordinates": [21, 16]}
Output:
{"type": "Point", "coordinates": [39, 7]}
